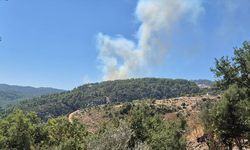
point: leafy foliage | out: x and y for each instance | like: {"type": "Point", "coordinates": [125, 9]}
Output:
{"type": "Point", "coordinates": [60, 130]}
{"type": "Point", "coordinates": [149, 128]}
{"type": "Point", "coordinates": [22, 130]}
{"type": "Point", "coordinates": [18, 131]}
{"type": "Point", "coordinates": [140, 128]}
{"type": "Point", "coordinates": [229, 118]}
{"type": "Point", "coordinates": [235, 70]}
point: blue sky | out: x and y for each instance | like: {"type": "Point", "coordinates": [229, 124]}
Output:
{"type": "Point", "coordinates": [54, 43]}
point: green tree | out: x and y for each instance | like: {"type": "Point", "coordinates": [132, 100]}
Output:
{"type": "Point", "coordinates": [169, 136]}
{"type": "Point", "coordinates": [229, 118]}
{"type": "Point", "coordinates": [61, 132]}
{"type": "Point", "coordinates": [17, 131]}
{"type": "Point", "coordinates": [148, 127]}
{"type": "Point", "coordinates": [235, 70]}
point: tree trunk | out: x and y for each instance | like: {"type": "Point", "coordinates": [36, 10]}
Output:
{"type": "Point", "coordinates": [238, 143]}
{"type": "Point", "coordinates": [230, 146]}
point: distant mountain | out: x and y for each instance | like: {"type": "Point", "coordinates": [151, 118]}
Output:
{"type": "Point", "coordinates": [10, 94]}
{"type": "Point", "coordinates": [203, 83]}
{"type": "Point", "coordinates": [108, 92]}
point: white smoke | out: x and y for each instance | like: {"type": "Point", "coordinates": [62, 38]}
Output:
{"type": "Point", "coordinates": [123, 58]}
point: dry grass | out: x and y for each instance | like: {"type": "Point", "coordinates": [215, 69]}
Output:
{"type": "Point", "coordinates": [93, 118]}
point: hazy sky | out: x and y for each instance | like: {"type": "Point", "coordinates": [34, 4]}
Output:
{"type": "Point", "coordinates": [55, 42]}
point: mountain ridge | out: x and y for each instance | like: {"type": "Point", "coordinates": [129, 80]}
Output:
{"type": "Point", "coordinates": [108, 92]}
{"type": "Point", "coordinates": [11, 94]}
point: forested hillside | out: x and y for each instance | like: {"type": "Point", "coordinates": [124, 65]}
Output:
{"type": "Point", "coordinates": [200, 122]}
{"type": "Point", "coordinates": [10, 94]}
{"type": "Point", "coordinates": [108, 92]}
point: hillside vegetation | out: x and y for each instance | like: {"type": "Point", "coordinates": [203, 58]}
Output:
{"type": "Point", "coordinates": [159, 124]}
{"type": "Point", "coordinates": [108, 92]}
{"type": "Point", "coordinates": [10, 94]}
{"type": "Point", "coordinates": [133, 127]}
{"type": "Point", "coordinates": [126, 115]}
{"type": "Point", "coordinates": [169, 109]}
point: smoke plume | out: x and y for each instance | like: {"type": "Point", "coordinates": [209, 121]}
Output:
{"type": "Point", "coordinates": [123, 58]}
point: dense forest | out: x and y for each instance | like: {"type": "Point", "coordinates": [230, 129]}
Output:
{"type": "Point", "coordinates": [10, 94]}
{"type": "Point", "coordinates": [108, 92]}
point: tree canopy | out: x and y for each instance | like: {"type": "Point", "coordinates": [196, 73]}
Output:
{"type": "Point", "coordinates": [229, 119]}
